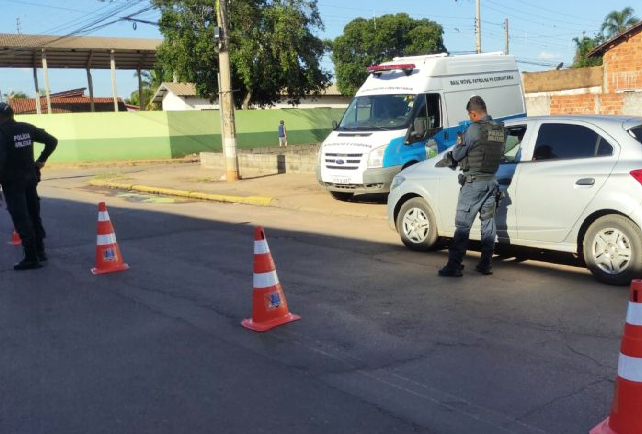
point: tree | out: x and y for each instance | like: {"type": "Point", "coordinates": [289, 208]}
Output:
{"type": "Point", "coordinates": [614, 23]}
{"type": "Point", "coordinates": [15, 94]}
{"type": "Point", "coordinates": [618, 21]}
{"type": "Point", "coordinates": [150, 81]}
{"type": "Point", "coordinates": [370, 41]}
{"type": "Point", "coordinates": [273, 50]}
{"type": "Point", "coordinates": [584, 46]}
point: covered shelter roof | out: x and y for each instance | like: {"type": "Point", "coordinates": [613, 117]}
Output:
{"type": "Point", "coordinates": [25, 51]}
{"type": "Point", "coordinates": [178, 89]}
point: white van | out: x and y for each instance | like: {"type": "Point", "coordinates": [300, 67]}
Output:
{"type": "Point", "coordinates": [408, 110]}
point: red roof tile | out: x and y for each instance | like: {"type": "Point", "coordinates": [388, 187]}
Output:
{"type": "Point", "coordinates": [65, 105]}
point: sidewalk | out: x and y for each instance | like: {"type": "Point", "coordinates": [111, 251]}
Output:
{"type": "Point", "coordinates": [189, 180]}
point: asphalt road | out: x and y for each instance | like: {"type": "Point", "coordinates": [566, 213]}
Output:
{"type": "Point", "coordinates": [383, 346]}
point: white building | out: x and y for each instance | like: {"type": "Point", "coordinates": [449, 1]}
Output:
{"type": "Point", "coordinates": [182, 96]}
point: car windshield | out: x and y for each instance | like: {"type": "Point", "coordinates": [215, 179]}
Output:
{"type": "Point", "coordinates": [378, 112]}
{"type": "Point", "coordinates": [637, 132]}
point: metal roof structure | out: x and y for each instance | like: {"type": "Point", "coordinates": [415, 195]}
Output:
{"type": "Point", "coordinates": [178, 89]}
{"type": "Point", "coordinates": [77, 52]}
{"type": "Point", "coordinates": [25, 51]}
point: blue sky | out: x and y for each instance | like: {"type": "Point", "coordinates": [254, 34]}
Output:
{"type": "Point", "coordinates": [541, 31]}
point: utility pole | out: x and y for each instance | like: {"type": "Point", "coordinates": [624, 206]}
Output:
{"type": "Point", "coordinates": [226, 100]}
{"type": "Point", "coordinates": [506, 36]}
{"type": "Point", "coordinates": [478, 26]}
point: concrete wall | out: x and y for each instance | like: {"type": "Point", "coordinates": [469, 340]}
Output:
{"type": "Point", "coordinates": [158, 135]}
{"type": "Point", "coordinates": [538, 105]}
{"type": "Point", "coordinates": [171, 102]}
{"type": "Point", "coordinates": [299, 159]}
{"type": "Point", "coordinates": [547, 81]}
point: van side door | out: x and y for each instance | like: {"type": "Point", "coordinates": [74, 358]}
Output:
{"type": "Point", "coordinates": [425, 126]}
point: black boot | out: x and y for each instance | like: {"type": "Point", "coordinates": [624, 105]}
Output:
{"type": "Point", "coordinates": [40, 250]}
{"type": "Point", "coordinates": [451, 270]}
{"type": "Point", "coordinates": [30, 261]}
{"type": "Point", "coordinates": [484, 267]}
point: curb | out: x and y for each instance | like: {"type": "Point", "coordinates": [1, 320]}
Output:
{"type": "Point", "coordinates": [199, 195]}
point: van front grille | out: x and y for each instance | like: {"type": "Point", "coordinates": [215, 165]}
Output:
{"type": "Point", "coordinates": [338, 161]}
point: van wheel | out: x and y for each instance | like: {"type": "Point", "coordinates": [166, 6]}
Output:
{"type": "Point", "coordinates": [416, 225]}
{"type": "Point", "coordinates": [613, 250]}
{"type": "Point", "coordinates": [340, 195]}
{"type": "Point", "coordinates": [408, 164]}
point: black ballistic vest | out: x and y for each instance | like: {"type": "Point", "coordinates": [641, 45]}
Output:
{"type": "Point", "coordinates": [485, 156]}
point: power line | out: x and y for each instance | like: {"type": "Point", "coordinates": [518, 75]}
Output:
{"type": "Point", "coordinates": [530, 14]}
{"type": "Point", "coordinates": [42, 5]}
{"type": "Point", "coordinates": [539, 7]}
{"type": "Point", "coordinates": [529, 19]}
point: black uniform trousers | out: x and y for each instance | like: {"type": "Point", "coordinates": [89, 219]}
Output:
{"type": "Point", "coordinates": [23, 204]}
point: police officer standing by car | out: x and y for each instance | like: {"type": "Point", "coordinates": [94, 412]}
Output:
{"type": "Point", "coordinates": [19, 177]}
{"type": "Point", "coordinates": [478, 154]}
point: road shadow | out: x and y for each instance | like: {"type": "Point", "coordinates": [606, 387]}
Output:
{"type": "Point", "coordinates": [159, 348]}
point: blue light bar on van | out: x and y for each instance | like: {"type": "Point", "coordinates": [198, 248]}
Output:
{"type": "Point", "coordinates": [405, 67]}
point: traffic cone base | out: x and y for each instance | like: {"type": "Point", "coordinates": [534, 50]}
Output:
{"type": "Point", "coordinates": [108, 256]}
{"type": "Point", "coordinates": [269, 302]}
{"type": "Point", "coordinates": [15, 239]}
{"type": "Point", "coordinates": [603, 428]}
{"type": "Point", "coordinates": [269, 306]}
{"type": "Point", "coordinates": [626, 410]}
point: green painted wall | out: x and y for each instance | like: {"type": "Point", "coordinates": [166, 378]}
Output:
{"type": "Point", "coordinates": [158, 135]}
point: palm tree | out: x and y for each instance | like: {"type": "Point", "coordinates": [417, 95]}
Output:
{"type": "Point", "coordinates": [150, 80]}
{"type": "Point", "coordinates": [618, 21]}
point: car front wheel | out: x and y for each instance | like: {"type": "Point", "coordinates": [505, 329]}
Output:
{"type": "Point", "coordinates": [416, 225]}
{"type": "Point", "coordinates": [613, 250]}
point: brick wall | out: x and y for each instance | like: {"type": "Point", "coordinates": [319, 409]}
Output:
{"type": "Point", "coordinates": [605, 104]}
{"type": "Point", "coordinates": [619, 94]}
{"type": "Point", "coordinates": [573, 104]}
{"type": "Point", "coordinates": [611, 104]}
{"type": "Point", "coordinates": [623, 64]}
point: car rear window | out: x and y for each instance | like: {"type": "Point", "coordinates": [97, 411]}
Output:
{"type": "Point", "coordinates": [637, 133]}
{"type": "Point", "coordinates": [562, 141]}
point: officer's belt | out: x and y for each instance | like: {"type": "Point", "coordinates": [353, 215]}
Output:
{"type": "Point", "coordinates": [473, 178]}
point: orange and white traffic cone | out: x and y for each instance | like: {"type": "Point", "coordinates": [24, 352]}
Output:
{"type": "Point", "coordinates": [269, 307]}
{"type": "Point", "coordinates": [15, 239]}
{"type": "Point", "coordinates": [108, 257]}
{"type": "Point", "coordinates": [626, 410]}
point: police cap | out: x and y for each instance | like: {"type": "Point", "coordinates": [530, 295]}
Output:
{"type": "Point", "coordinates": [476, 103]}
{"type": "Point", "coordinates": [6, 110]}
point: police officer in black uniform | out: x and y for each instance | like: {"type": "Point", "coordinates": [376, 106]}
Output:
{"type": "Point", "coordinates": [19, 177]}
{"type": "Point", "coordinates": [478, 154]}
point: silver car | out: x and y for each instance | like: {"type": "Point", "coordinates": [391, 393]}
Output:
{"type": "Point", "coordinates": [571, 184]}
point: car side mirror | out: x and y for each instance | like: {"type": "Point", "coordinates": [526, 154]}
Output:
{"type": "Point", "coordinates": [334, 125]}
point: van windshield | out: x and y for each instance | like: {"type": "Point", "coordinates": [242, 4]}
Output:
{"type": "Point", "coordinates": [378, 112]}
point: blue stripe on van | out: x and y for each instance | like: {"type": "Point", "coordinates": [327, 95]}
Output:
{"type": "Point", "coordinates": [398, 154]}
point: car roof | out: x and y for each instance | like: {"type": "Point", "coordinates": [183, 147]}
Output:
{"type": "Point", "coordinates": [626, 121]}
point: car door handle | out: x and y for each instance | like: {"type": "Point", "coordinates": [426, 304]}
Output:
{"type": "Point", "coordinates": [585, 181]}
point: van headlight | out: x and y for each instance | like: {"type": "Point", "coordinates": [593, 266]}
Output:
{"type": "Point", "coordinates": [397, 181]}
{"type": "Point", "coordinates": [375, 157]}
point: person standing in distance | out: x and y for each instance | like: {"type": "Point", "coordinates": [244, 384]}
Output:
{"type": "Point", "coordinates": [478, 153]}
{"type": "Point", "coordinates": [19, 177]}
{"type": "Point", "coordinates": [283, 135]}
